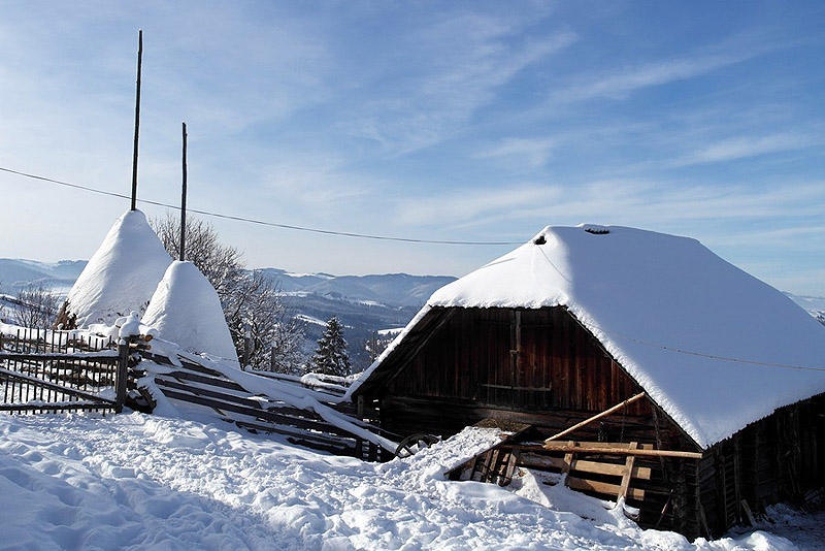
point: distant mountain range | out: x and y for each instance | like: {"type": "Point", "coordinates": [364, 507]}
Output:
{"type": "Point", "coordinates": [16, 274]}
{"type": "Point", "coordinates": [364, 304]}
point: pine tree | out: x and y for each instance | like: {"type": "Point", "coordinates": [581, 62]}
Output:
{"type": "Point", "coordinates": [331, 356]}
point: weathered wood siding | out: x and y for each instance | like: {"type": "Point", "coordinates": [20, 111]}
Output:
{"type": "Point", "coordinates": [527, 360]}
{"type": "Point", "coordinates": [532, 366]}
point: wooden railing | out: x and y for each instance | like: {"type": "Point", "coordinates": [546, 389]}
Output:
{"type": "Point", "coordinates": [56, 371]}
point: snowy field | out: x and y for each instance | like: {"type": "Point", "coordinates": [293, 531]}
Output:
{"type": "Point", "coordinates": [133, 481]}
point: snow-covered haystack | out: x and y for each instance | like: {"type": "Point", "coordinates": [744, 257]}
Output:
{"type": "Point", "coordinates": [122, 275]}
{"type": "Point", "coordinates": [186, 310]}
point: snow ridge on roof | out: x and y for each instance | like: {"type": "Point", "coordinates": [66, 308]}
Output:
{"type": "Point", "coordinates": [122, 274]}
{"type": "Point", "coordinates": [716, 348]}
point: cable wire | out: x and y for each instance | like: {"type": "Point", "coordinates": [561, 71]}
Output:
{"type": "Point", "coordinates": [262, 222]}
{"type": "Point", "coordinates": [589, 326]}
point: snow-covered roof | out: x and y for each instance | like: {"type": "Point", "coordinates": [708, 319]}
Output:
{"type": "Point", "coordinates": [122, 274]}
{"type": "Point", "coordinates": [714, 347]}
{"type": "Point", "coordinates": [186, 310]}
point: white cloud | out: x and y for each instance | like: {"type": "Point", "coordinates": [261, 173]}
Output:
{"type": "Point", "coordinates": [474, 205]}
{"type": "Point", "coordinates": [466, 59]}
{"type": "Point", "coordinates": [620, 82]}
{"type": "Point", "coordinates": [742, 147]}
{"type": "Point", "coordinates": [534, 151]}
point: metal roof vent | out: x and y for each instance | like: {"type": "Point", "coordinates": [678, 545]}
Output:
{"type": "Point", "coordinates": [596, 230]}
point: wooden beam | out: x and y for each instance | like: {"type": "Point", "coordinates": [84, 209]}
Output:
{"type": "Point", "coordinates": [581, 447]}
{"type": "Point", "coordinates": [581, 484]}
{"type": "Point", "coordinates": [628, 472]}
{"type": "Point", "coordinates": [605, 413]}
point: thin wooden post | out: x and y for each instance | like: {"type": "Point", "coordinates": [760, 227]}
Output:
{"type": "Point", "coordinates": [137, 120]}
{"type": "Point", "coordinates": [628, 474]}
{"type": "Point", "coordinates": [183, 200]}
{"type": "Point", "coordinates": [122, 373]}
{"type": "Point", "coordinates": [568, 458]}
{"type": "Point", "coordinates": [605, 413]}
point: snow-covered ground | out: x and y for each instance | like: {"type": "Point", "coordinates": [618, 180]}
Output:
{"type": "Point", "coordinates": [134, 481]}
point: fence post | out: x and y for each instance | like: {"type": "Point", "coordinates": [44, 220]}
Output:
{"type": "Point", "coordinates": [122, 372]}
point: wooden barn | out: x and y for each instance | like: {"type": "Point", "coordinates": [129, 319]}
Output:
{"type": "Point", "coordinates": [725, 375]}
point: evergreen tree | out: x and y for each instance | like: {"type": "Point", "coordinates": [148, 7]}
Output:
{"type": "Point", "coordinates": [331, 356]}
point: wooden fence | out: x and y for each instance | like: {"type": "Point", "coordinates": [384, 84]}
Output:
{"type": "Point", "coordinates": [44, 371]}
{"type": "Point", "coordinates": [191, 382]}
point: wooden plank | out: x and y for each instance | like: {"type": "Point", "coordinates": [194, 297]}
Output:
{"type": "Point", "coordinates": [543, 462]}
{"type": "Point", "coordinates": [618, 450]}
{"type": "Point", "coordinates": [612, 469]}
{"type": "Point", "coordinates": [567, 462]}
{"type": "Point", "coordinates": [177, 385]}
{"type": "Point", "coordinates": [605, 488]}
{"type": "Point", "coordinates": [536, 461]}
{"type": "Point", "coordinates": [211, 381]}
{"type": "Point", "coordinates": [559, 446]}
{"type": "Point", "coordinates": [628, 472]}
{"type": "Point", "coordinates": [103, 357]}
{"type": "Point", "coordinates": [255, 413]}
{"type": "Point", "coordinates": [70, 406]}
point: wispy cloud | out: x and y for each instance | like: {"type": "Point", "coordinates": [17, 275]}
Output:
{"type": "Point", "coordinates": [473, 205]}
{"type": "Point", "coordinates": [657, 205]}
{"type": "Point", "coordinates": [534, 151]}
{"type": "Point", "coordinates": [742, 147]}
{"type": "Point", "coordinates": [474, 56]}
{"type": "Point", "coordinates": [621, 82]}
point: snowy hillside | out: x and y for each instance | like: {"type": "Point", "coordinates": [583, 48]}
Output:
{"type": "Point", "coordinates": [388, 289]}
{"type": "Point", "coordinates": [16, 274]}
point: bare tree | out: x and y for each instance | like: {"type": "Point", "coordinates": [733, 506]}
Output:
{"type": "Point", "coordinates": [37, 306]}
{"type": "Point", "coordinates": [2, 305]}
{"type": "Point", "coordinates": [221, 264]}
{"type": "Point", "coordinates": [265, 332]}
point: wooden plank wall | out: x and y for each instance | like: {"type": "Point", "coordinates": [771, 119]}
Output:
{"type": "Point", "coordinates": [522, 359]}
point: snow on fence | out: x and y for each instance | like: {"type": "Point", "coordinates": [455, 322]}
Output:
{"type": "Point", "coordinates": [304, 413]}
{"type": "Point", "coordinates": [57, 371]}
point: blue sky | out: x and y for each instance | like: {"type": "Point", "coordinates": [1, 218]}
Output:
{"type": "Point", "coordinates": [474, 121]}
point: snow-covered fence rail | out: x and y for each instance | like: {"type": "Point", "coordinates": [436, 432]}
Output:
{"type": "Point", "coordinates": [329, 384]}
{"type": "Point", "coordinates": [55, 371]}
{"type": "Point", "coordinates": [267, 405]}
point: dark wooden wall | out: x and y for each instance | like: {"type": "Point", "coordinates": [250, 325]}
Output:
{"type": "Point", "coordinates": [535, 366]}
{"type": "Point", "coordinates": [544, 360]}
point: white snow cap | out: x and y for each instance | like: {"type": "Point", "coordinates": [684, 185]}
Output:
{"type": "Point", "coordinates": [186, 310]}
{"type": "Point", "coordinates": [716, 348]}
{"type": "Point", "coordinates": [122, 275]}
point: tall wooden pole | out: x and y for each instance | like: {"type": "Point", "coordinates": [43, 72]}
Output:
{"type": "Point", "coordinates": [183, 201]}
{"type": "Point", "coordinates": [137, 121]}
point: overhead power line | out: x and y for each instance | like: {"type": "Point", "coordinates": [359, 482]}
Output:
{"type": "Point", "coordinates": [262, 222]}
